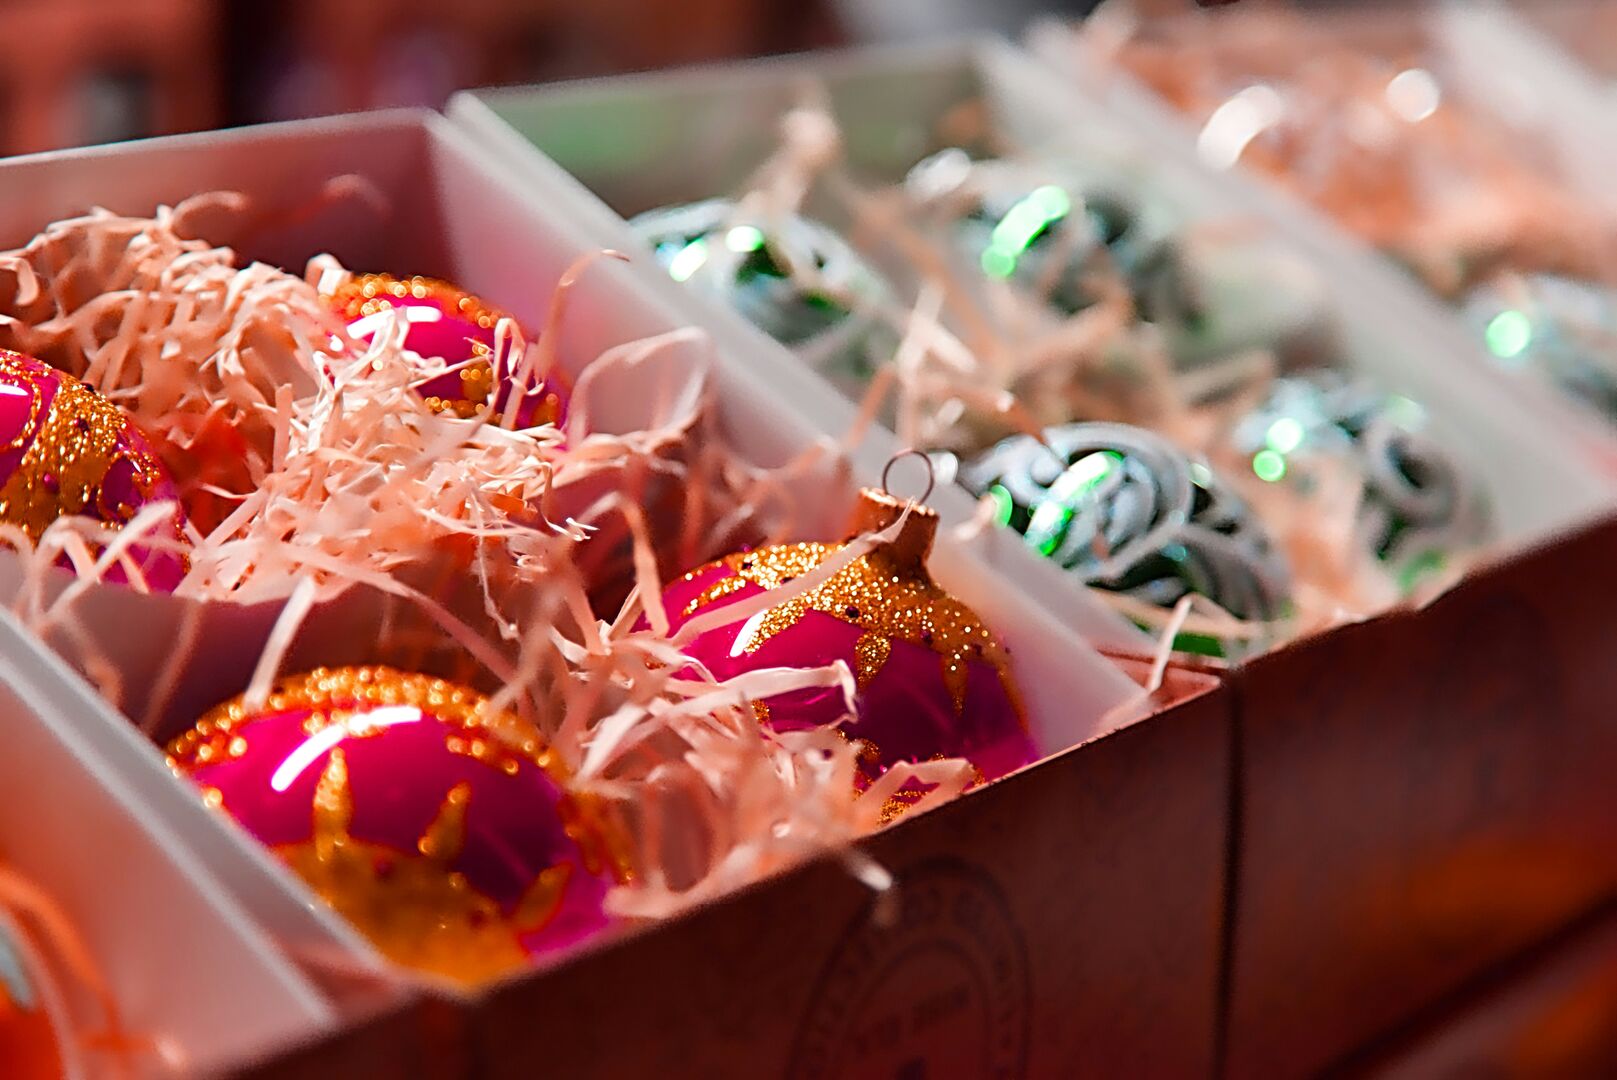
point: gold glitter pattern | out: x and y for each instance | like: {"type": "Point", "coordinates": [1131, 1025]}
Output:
{"type": "Point", "coordinates": [333, 805]}
{"type": "Point", "coordinates": [543, 897]}
{"type": "Point", "coordinates": [886, 596]}
{"type": "Point", "coordinates": [75, 442]}
{"type": "Point", "coordinates": [869, 759]}
{"type": "Point", "coordinates": [728, 585]}
{"type": "Point", "coordinates": [443, 839]}
{"type": "Point", "coordinates": [904, 799]}
{"type": "Point", "coordinates": [870, 652]}
{"type": "Point", "coordinates": [417, 911]}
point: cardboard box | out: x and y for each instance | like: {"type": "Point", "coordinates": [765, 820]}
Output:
{"type": "Point", "coordinates": [1549, 1013]}
{"type": "Point", "coordinates": [1388, 772]}
{"type": "Point", "coordinates": [1101, 868]}
{"type": "Point", "coordinates": [417, 1039]}
{"type": "Point", "coordinates": [1422, 796]}
{"type": "Point", "coordinates": [1063, 923]}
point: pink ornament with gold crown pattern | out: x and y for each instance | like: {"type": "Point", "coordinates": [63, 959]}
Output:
{"type": "Point", "coordinates": [444, 833]}
{"type": "Point", "coordinates": [933, 680]}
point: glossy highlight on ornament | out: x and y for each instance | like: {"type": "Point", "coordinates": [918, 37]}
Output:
{"type": "Point", "coordinates": [445, 833]}
{"type": "Point", "coordinates": [933, 680]}
{"type": "Point", "coordinates": [65, 450]}
{"type": "Point", "coordinates": [446, 322]}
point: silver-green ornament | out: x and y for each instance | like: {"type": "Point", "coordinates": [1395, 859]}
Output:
{"type": "Point", "coordinates": [1036, 228]}
{"type": "Point", "coordinates": [1125, 510]}
{"type": "Point", "coordinates": [1070, 242]}
{"type": "Point", "coordinates": [1417, 506]}
{"type": "Point", "coordinates": [792, 277]}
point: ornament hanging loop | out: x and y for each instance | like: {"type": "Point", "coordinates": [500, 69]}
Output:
{"type": "Point", "coordinates": [931, 473]}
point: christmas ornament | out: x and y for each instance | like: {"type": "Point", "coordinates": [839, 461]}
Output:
{"type": "Point", "coordinates": [1126, 511]}
{"type": "Point", "coordinates": [446, 322]}
{"type": "Point", "coordinates": [1561, 328]}
{"type": "Point", "coordinates": [1038, 228]}
{"type": "Point", "coordinates": [34, 1041]}
{"type": "Point", "coordinates": [66, 450]}
{"type": "Point", "coordinates": [1073, 243]}
{"type": "Point", "coordinates": [791, 277]}
{"type": "Point", "coordinates": [444, 833]}
{"type": "Point", "coordinates": [1417, 503]}
{"type": "Point", "coordinates": [933, 681]}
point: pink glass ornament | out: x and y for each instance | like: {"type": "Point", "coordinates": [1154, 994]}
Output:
{"type": "Point", "coordinates": [448, 323]}
{"type": "Point", "coordinates": [445, 834]}
{"type": "Point", "coordinates": [933, 680]}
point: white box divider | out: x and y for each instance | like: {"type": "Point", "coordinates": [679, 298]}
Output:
{"type": "Point", "coordinates": [186, 963]}
{"type": "Point", "coordinates": [630, 144]}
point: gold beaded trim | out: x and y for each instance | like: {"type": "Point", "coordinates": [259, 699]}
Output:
{"type": "Point", "coordinates": [366, 294]}
{"type": "Point", "coordinates": [336, 695]}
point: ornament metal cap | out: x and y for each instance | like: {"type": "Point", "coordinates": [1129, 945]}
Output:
{"type": "Point", "coordinates": [879, 508]}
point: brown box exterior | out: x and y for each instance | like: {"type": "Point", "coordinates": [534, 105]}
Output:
{"type": "Point", "coordinates": [1553, 1014]}
{"type": "Point", "coordinates": [415, 1040]}
{"type": "Point", "coordinates": [1063, 922]}
{"type": "Point", "coordinates": [1421, 796]}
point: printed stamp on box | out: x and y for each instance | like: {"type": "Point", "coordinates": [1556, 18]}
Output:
{"type": "Point", "coordinates": [943, 991]}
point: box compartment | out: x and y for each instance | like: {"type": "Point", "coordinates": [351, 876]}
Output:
{"type": "Point", "coordinates": [459, 212]}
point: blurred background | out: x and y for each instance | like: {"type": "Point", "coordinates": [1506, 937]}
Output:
{"type": "Point", "coordinates": [88, 71]}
